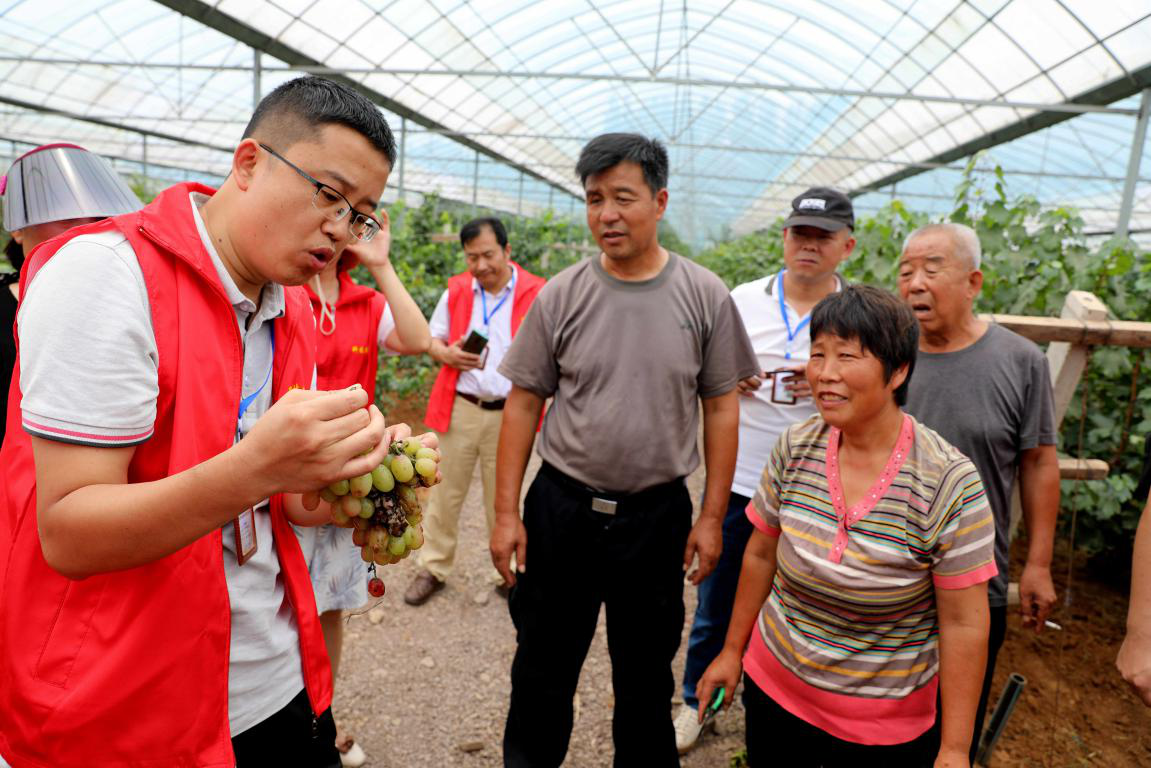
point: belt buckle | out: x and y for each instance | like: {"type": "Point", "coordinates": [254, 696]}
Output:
{"type": "Point", "coordinates": [603, 506]}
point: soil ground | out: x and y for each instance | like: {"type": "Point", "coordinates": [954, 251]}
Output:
{"type": "Point", "coordinates": [429, 686]}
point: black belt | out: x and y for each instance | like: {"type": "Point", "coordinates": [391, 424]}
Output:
{"type": "Point", "coordinates": [609, 502]}
{"type": "Point", "coordinates": [487, 405]}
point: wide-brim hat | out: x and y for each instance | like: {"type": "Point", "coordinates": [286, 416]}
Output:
{"type": "Point", "coordinates": [57, 182]}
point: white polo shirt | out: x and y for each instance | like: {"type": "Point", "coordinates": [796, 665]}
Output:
{"type": "Point", "coordinates": [761, 422]}
{"type": "Point", "coordinates": [486, 383]}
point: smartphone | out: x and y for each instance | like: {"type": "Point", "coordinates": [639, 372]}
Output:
{"type": "Point", "coordinates": [780, 393]}
{"type": "Point", "coordinates": [475, 343]}
{"type": "Point", "coordinates": [714, 705]}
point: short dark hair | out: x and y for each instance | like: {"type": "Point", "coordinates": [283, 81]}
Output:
{"type": "Point", "coordinates": [475, 228]}
{"type": "Point", "coordinates": [298, 109]}
{"type": "Point", "coordinates": [611, 149]}
{"type": "Point", "coordinates": [881, 323]}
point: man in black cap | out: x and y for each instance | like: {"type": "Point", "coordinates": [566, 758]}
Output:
{"type": "Point", "coordinates": [817, 237]}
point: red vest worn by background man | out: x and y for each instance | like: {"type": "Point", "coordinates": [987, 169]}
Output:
{"type": "Point", "coordinates": [130, 668]}
{"type": "Point", "coordinates": [351, 353]}
{"type": "Point", "coordinates": [461, 298]}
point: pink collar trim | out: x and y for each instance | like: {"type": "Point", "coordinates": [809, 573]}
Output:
{"type": "Point", "coordinates": [849, 517]}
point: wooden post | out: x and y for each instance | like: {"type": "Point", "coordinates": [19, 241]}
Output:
{"type": "Point", "coordinates": [1067, 362]}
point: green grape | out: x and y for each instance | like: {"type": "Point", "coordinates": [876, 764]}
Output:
{"type": "Point", "coordinates": [327, 495]}
{"type": "Point", "coordinates": [415, 518]}
{"type": "Point", "coordinates": [350, 506]}
{"type": "Point", "coordinates": [412, 446]}
{"type": "Point", "coordinates": [366, 554]}
{"type": "Point", "coordinates": [396, 546]}
{"type": "Point", "coordinates": [338, 516]}
{"type": "Point", "coordinates": [428, 453]}
{"type": "Point", "coordinates": [367, 509]}
{"type": "Point", "coordinates": [414, 537]}
{"type": "Point", "coordinates": [359, 486]}
{"type": "Point", "coordinates": [402, 469]}
{"type": "Point", "coordinates": [340, 488]}
{"type": "Point", "coordinates": [426, 468]}
{"type": "Point", "coordinates": [382, 479]}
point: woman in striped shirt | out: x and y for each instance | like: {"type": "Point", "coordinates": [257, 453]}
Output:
{"type": "Point", "coordinates": [865, 581]}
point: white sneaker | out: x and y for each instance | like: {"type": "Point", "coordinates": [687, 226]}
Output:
{"type": "Point", "coordinates": [688, 730]}
{"type": "Point", "coordinates": [354, 757]}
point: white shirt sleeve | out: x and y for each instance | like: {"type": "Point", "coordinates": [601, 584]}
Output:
{"type": "Point", "coordinates": [387, 325]}
{"type": "Point", "coordinates": [440, 324]}
{"type": "Point", "coordinates": [88, 358]}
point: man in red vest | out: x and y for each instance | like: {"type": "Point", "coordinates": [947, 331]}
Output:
{"type": "Point", "coordinates": [155, 607]}
{"type": "Point", "coordinates": [483, 306]}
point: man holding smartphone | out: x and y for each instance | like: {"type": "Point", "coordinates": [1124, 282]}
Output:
{"type": "Point", "coordinates": [472, 327]}
{"type": "Point", "coordinates": [817, 238]}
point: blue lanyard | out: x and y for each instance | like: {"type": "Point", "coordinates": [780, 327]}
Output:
{"type": "Point", "coordinates": [247, 401]}
{"type": "Point", "coordinates": [484, 300]}
{"type": "Point", "coordinates": [786, 320]}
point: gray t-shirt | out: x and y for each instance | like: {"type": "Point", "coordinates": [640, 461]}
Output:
{"type": "Point", "coordinates": [992, 401]}
{"type": "Point", "coordinates": [626, 363]}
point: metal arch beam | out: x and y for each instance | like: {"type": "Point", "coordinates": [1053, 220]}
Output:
{"type": "Point", "coordinates": [297, 62]}
{"type": "Point", "coordinates": [1108, 93]}
{"type": "Point", "coordinates": [238, 30]}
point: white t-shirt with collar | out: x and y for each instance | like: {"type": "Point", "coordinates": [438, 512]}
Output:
{"type": "Point", "coordinates": [761, 422]}
{"type": "Point", "coordinates": [89, 367]}
{"type": "Point", "coordinates": [486, 383]}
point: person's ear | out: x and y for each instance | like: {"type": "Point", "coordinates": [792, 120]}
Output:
{"type": "Point", "coordinates": [898, 376]}
{"type": "Point", "coordinates": [245, 160]}
{"type": "Point", "coordinates": [661, 202]}
{"type": "Point", "coordinates": [18, 235]}
{"type": "Point", "coordinates": [975, 282]}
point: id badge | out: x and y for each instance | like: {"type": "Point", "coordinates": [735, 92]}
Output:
{"type": "Point", "coordinates": [244, 528]}
{"type": "Point", "coordinates": [780, 393]}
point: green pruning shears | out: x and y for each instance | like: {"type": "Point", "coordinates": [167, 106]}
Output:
{"type": "Point", "coordinates": [714, 705]}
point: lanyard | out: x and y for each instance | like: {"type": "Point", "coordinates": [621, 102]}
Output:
{"type": "Point", "coordinates": [786, 320]}
{"type": "Point", "coordinates": [247, 401]}
{"type": "Point", "coordinates": [484, 301]}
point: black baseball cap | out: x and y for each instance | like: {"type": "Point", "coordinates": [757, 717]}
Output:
{"type": "Point", "coordinates": [821, 207]}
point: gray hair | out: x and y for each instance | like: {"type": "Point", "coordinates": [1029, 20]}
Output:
{"type": "Point", "coordinates": [964, 239]}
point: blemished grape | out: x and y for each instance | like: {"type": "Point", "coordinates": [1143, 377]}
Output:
{"type": "Point", "coordinates": [414, 537]}
{"type": "Point", "coordinates": [382, 479]}
{"type": "Point", "coordinates": [402, 469]}
{"type": "Point", "coordinates": [350, 506]}
{"type": "Point", "coordinates": [338, 516]}
{"type": "Point", "coordinates": [327, 495]}
{"type": "Point", "coordinates": [366, 555]}
{"type": "Point", "coordinates": [340, 488]}
{"type": "Point", "coordinates": [359, 486]}
{"type": "Point", "coordinates": [359, 537]}
{"type": "Point", "coordinates": [378, 538]}
{"type": "Point", "coordinates": [379, 556]}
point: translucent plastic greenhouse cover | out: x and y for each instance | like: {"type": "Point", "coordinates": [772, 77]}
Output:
{"type": "Point", "coordinates": [755, 100]}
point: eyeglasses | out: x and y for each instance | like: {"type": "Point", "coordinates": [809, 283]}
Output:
{"type": "Point", "coordinates": [332, 204]}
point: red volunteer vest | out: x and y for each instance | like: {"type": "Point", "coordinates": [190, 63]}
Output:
{"type": "Point", "coordinates": [130, 668]}
{"type": "Point", "coordinates": [351, 354]}
{"type": "Point", "coordinates": [461, 297]}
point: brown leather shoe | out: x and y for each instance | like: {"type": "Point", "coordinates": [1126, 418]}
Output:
{"type": "Point", "coordinates": [423, 586]}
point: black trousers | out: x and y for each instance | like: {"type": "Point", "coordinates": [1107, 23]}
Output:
{"type": "Point", "coordinates": [292, 736]}
{"type": "Point", "coordinates": [994, 642]}
{"type": "Point", "coordinates": [578, 559]}
{"type": "Point", "coordinates": [777, 737]}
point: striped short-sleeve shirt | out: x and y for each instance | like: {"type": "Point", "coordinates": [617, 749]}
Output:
{"type": "Point", "coordinates": [848, 637]}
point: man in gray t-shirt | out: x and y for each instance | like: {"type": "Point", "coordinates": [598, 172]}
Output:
{"type": "Point", "coordinates": [626, 344]}
{"type": "Point", "coordinates": [987, 391]}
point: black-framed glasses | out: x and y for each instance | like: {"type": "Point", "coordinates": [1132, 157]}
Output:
{"type": "Point", "coordinates": [331, 203]}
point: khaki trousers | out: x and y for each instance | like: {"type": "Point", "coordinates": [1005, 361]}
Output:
{"type": "Point", "coordinates": [474, 434]}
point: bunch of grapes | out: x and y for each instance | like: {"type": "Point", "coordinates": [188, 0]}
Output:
{"type": "Point", "coordinates": [383, 508]}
